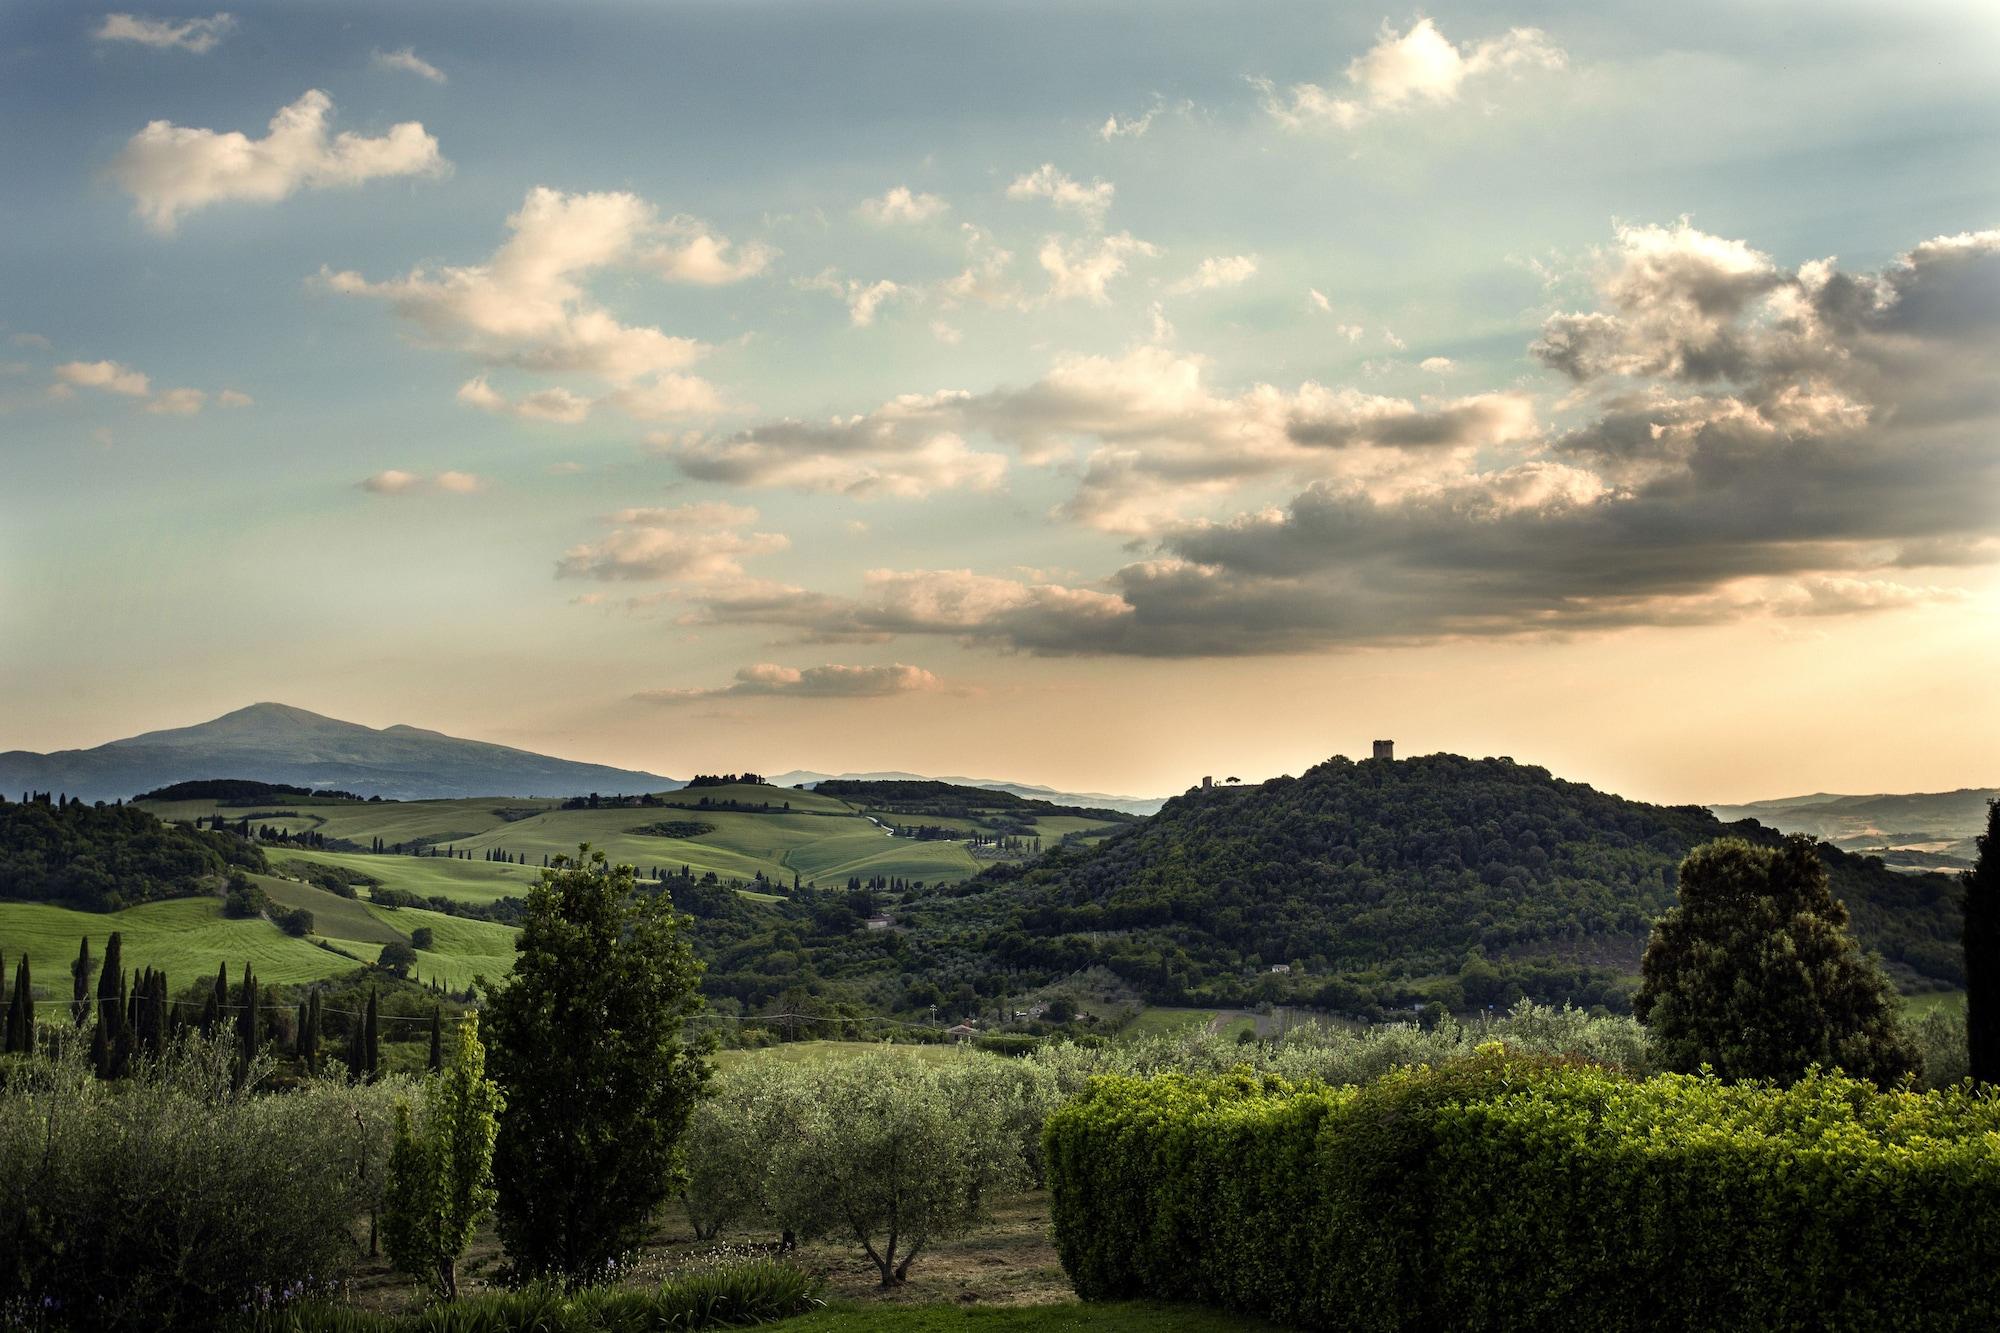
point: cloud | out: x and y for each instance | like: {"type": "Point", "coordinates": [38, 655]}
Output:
{"type": "Point", "coordinates": [108, 376]}
{"type": "Point", "coordinates": [693, 254]}
{"type": "Point", "coordinates": [172, 170]}
{"type": "Point", "coordinates": [1135, 127]}
{"type": "Point", "coordinates": [1090, 201]}
{"type": "Point", "coordinates": [394, 481]}
{"type": "Point", "coordinates": [1438, 365]}
{"type": "Point", "coordinates": [1418, 67]}
{"type": "Point", "coordinates": [906, 449]}
{"type": "Point", "coordinates": [1156, 439]}
{"type": "Point", "coordinates": [195, 36]}
{"type": "Point", "coordinates": [527, 308]}
{"type": "Point", "coordinates": [1319, 300]}
{"type": "Point", "coordinates": [178, 402]}
{"type": "Point", "coordinates": [1752, 441]}
{"type": "Point", "coordinates": [558, 405]}
{"type": "Point", "coordinates": [408, 62]}
{"type": "Point", "coordinates": [1217, 271]}
{"type": "Point", "coordinates": [900, 205]}
{"type": "Point", "coordinates": [689, 544]}
{"type": "Point", "coordinates": [234, 398]}
{"type": "Point", "coordinates": [864, 299]}
{"type": "Point", "coordinates": [1087, 270]}
{"type": "Point", "coordinates": [397, 481]}
{"type": "Point", "coordinates": [769, 680]}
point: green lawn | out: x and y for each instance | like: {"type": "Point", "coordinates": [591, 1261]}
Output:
{"type": "Point", "coordinates": [1164, 1022]}
{"type": "Point", "coordinates": [334, 917]}
{"type": "Point", "coordinates": [185, 936]}
{"type": "Point", "coordinates": [428, 876]}
{"type": "Point", "coordinates": [1916, 1006]}
{"type": "Point", "coordinates": [818, 1052]}
{"type": "Point", "coordinates": [1109, 1317]}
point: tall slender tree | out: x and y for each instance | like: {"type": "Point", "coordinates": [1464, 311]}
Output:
{"type": "Point", "coordinates": [21, 1013]}
{"type": "Point", "coordinates": [437, 1039]}
{"type": "Point", "coordinates": [79, 986]}
{"type": "Point", "coordinates": [110, 981]}
{"type": "Point", "coordinates": [1982, 953]}
{"type": "Point", "coordinates": [371, 1037]}
{"type": "Point", "coordinates": [246, 1025]}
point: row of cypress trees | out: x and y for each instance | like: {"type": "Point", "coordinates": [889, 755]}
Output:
{"type": "Point", "coordinates": [136, 1016]}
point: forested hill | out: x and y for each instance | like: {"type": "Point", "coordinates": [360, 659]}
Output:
{"type": "Point", "coordinates": [100, 858]}
{"type": "Point", "coordinates": [1360, 872]}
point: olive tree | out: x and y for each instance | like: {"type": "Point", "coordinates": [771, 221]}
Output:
{"type": "Point", "coordinates": [891, 1151]}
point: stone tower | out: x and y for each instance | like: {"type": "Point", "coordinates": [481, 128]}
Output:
{"type": "Point", "coordinates": [1385, 749]}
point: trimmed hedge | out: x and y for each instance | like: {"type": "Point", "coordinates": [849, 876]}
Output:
{"type": "Point", "coordinates": [1508, 1192]}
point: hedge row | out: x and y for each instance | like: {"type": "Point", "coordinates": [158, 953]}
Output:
{"type": "Point", "coordinates": [1506, 1192]}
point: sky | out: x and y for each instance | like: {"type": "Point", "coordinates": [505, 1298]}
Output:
{"type": "Point", "coordinates": [1100, 395]}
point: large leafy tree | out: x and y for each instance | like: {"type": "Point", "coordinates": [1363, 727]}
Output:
{"type": "Point", "coordinates": [1754, 972]}
{"type": "Point", "coordinates": [440, 1171]}
{"type": "Point", "coordinates": [587, 1048]}
{"type": "Point", "coordinates": [1982, 953]}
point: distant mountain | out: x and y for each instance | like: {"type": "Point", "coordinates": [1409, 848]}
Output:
{"type": "Point", "coordinates": [1931, 830]}
{"type": "Point", "coordinates": [274, 743]}
{"type": "Point", "coordinates": [1377, 881]}
{"type": "Point", "coordinates": [1096, 800]}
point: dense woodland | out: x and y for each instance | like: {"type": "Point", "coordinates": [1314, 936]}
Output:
{"type": "Point", "coordinates": [101, 858]}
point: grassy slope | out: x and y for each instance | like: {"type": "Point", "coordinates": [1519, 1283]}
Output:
{"type": "Point", "coordinates": [429, 876]}
{"type": "Point", "coordinates": [185, 936]}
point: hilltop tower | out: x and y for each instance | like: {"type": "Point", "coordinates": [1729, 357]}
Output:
{"type": "Point", "coordinates": [1385, 749]}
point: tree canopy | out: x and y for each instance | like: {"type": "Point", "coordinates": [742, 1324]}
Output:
{"type": "Point", "coordinates": [586, 1045]}
{"type": "Point", "coordinates": [1755, 974]}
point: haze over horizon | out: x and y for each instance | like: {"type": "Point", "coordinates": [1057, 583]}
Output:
{"type": "Point", "coordinates": [1056, 395]}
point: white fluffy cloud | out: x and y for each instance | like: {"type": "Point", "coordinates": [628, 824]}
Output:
{"type": "Point", "coordinates": [1086, 270]}
{"type": "Point", "coordinates": [1155, 439]}
{"type": "Point", "coordinates": [1752, 441]}
{"type": "Point", "coordinates": [688, 544]}
{"type": "Point", "coordinates": [1090, 201]}
{"type": "Point", "coordinates": [408, 61]}
{"type": "Point", "coordinates": [864, 299]}
{"type": "Point", "coordinates": [196, 36]}
{"type": "Point", "coordinates": [109, 376]}
{"type": "Point", "coordinates": [171, 170]}
{"type": "Point", "coordinates": [178, 402]}
{"type": "Point", "coordinates": [1217, 271]}
{"type": "Point", "coordinates": [770, 680]}
{"type": "Point", "coordinates": [398, 481]}
{"type": "Point", "coordinates": [901, 205]}
{"type": "Point", "coordinates": [1414, 68]}
{"type": "Point", "coordinates": [528, 308]}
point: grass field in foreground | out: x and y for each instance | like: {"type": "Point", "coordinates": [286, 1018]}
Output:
{"type": "Point", "coordinates": [1164, 1022]}
{"type": "Point", "coordinates": [1110, 1317]}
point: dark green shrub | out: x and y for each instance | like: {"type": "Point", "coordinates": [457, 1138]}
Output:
{"type": "Point", "coordinates": [1499, 1192]}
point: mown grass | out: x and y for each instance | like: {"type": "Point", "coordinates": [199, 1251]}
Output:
{"type": "Point", "coordinates": [1916, 1006]}
{"type": "Point", "coordinates": [1110, 1317]}
{"type": "Point", "coordinates": [822, 1052]}
{"type": "Point", "coordinates": [1164, 1022]}
{"type": "Point", "coordinates": [186, 937]}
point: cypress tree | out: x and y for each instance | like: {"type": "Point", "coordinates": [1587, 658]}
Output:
{"type": "Point", "coordinates": [218, 1002]}
{"type": "Point", "coordinates": [371, 1040]}
{"type": "Point", "coordinates": [21, 1013]}
{"type": "Point", "coordinates": [79, 985]}
{"type": "Point", "coordinates": [156, 1016]}
{"type": "Point", "coordinates": [246, 1026]}
{"type": "Point", "coordinates": [1982, 953]}
{"type": "Point", "coordinates": [437, 1039]}
{"type": "Point", "coordinates": [121, 1040]}
{"type": "Point", "coordinates": [110, 981]}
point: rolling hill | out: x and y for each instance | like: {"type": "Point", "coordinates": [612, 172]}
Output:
{"type": "Point", "coordinates": [1378, 880]}
{"type": "Point", "coordinates": [1916, 831]}
{"type": "Point", "coordinates": [272, 742]}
